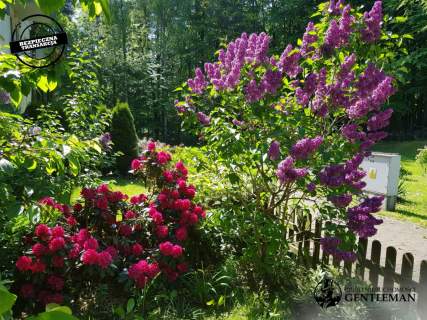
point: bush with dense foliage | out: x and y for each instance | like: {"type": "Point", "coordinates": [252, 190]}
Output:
{"type": "Point", "coordinates": [111, 239]}
{"type": "Point", "coordinates": [124, 136]}
{"type": "Point", "coordinates": [292, 130]}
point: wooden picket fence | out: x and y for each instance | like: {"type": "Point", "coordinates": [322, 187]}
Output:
{"type": "Point", "coordinates": [305, 233]}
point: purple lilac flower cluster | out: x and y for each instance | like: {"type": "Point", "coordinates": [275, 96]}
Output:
{"type": "Point", "coordinates": [288, 62]}
{"type": "Point", "coordinates": [286, 171]}
{"type": "Point", "coordinates": [305, 147]}
{"type": "Point", "coordinates": [105, 141]}
{"type": "Point", "coordinates": [319, 105]}
{"type": "Point", "coordinates": [270, 82]}
{"type": "Point", "coordinates": [360, 219]}
{"type": "Point", "coordinates": [335, 7]}
{"type": "Point", "coordinates": [348, 174]}
{"type": "Point", "coordinates": [342, 200]}
{"type": "Point", "coordinates": [274, 150]}
{"type": "Point", "coordinates": [373, 90]}
{"type": "Point", "coordinates": [372, 19]}
{"type": "Point", "coordinates": [379, 120]}
{"type": "Point", "coordinates": [304, 94]}
{"type": "Point", "coordinates": [198, 84]}
{"type": "Point", "coordinates": [339, 32]}
{"type": "Point", "coordinates": [308, 38]}
{"type": "Point", "coordinates": [330, 246]}
{"type": "Point", "coordinates": [203, 118]}
{"type": "Point", "coordinates": [252, 49]}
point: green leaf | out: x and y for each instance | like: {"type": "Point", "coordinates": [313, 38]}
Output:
{"type": "Point", "coordinates": [98, 8]}
{"type": "Point", "coordinates": [7, 300]}
{"type": "Point", "coordinates": [401, 19]}
{"type": "Point", "coordinates": [32, 166]}
{"type": "Point", "coordinates": [56, 307]}
{"type": "Point", "coordinates": [130, 305]}
{"type": "Point", "coordinates": [6, 167]}
{"type": "Point", "coordinates": [55, 315]}
{"type": "Point", "coordinates": [2, 5]}
{"type": "Point", "coordinates": [43, 83]}
{"type": "Point", "coordinates": [74, 165]}
{"type": "Point", "coordinates": [210, 302]}
{"type": "Point", "coordinates": [46, 84]}
{"type": "Point", "coordinates": [50, 6]}
{"type": "Point", "coordinates": [221, 300]}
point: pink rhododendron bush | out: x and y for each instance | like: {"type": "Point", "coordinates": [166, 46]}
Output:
{"type": "Point", "coordinates": [293, 128]}
{"type": "Point", "coordinates": [110, 238]}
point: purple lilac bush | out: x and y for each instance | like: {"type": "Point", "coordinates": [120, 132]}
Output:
{"type": "Point", "coordinates": [300, 123]}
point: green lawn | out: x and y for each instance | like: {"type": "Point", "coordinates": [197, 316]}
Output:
{"type": "Point", "coordinates": [413, 206]}
{"type": "Point", "coordinates": [126, 186]}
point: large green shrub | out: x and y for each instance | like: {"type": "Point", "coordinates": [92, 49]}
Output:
{"type": "Point", "coordinates": [123, 135]}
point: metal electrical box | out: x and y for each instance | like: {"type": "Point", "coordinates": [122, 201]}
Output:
{"type": "Point", "coordinates": [382, 176]}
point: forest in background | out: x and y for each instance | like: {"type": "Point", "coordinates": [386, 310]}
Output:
{"type": "Point", "coordinates": [149, 48]}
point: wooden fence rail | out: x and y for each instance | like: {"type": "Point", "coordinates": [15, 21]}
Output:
{"type": "Point", "coordinates": [306, 234]}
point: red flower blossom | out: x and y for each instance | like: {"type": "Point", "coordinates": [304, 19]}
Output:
{"type": "Point", "coordinates": [130, 215]}
{"type": "Point", "coordinates": [166, 248]}
{"type": "Point", "coordinates": [24, 263]}
{"type": "Point", "coordinates": [48, 201]}
{"type": "Point", "coordinates": [102, 203]}
{"type": "Point", "coordinates": [182, 267]}
{"type": "Point", "coordinates": [75, 251]}
{"type": "Point", "coordinates": [103, 188]}
{"type": "Point", "coordinates": [38, 266]}
{"type": "Point", "coordinates": [91, 243]}
{"type": "Point", "coordinates": [39, 249]}
{"type": "Point", "coordinates": [176, 251]}
{"type": "Point", "coordinates": [112, 251]}
{"type": "Point", "coordinates": [77, 207]}
{"type": "Point", "coordinates": [55, 282]}
{"type": "Point", "coordinates": [163, 157]}
{"type": "Point", "coordinates": [162, 231]}
{"type": "Point", "coordinates": [90, 257]}
{"type": "Point", "coordinates": [137, 249]}
{"type": "Point", "coordinates": [190, 192]}
{"type": "Point", "coordinates": [71, 221]}
{"type": "Point", "coordinates": [27, 290]}
{"type": "Point", "coordinates": [88, 194]}
{"type": "Point", "coordinates": [193, 219]}
{"type": "Point", "coordinates": [151, 146]}
{"type": "Point", "coordinates": [181, 234]}
{"type": "Point", "coordinates": [104, 259]}
{"type": "Point", "coordinates": [56, 244]}
{"type": "Point", "coordinates": [58, 262]}
{"type": "Point", "coordinates": [82, 236]}
{"type": "Point", "coordinates": [175, 194]}
{"type": "Point", "coordinates": [57, 231]}
{"type": "Point", "coordinates": [155, 215]}
{"type": "Point", "coordinates": [168, 176]}
{"type": "Point", "coordinates": [43, 232]}
{"type": "Point", "coordinates": [136, 164]}
{"type": "Point", "coordinates": [125, 230]}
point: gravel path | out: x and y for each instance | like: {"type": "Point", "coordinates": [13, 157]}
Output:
{"type": "Point", "coordinates": [405, 237]}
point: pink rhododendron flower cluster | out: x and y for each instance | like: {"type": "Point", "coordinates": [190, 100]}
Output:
{"type": "Point", "coordinates": [143, 236]}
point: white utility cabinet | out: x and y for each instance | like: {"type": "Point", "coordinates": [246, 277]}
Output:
{"type": "Point", "coordinates": [382, 176]}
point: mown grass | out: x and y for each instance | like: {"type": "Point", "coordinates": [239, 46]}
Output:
{"type": "Point", "coordinates": [124, 185]}
{"type": "Point", "coordinates": [412, 205]}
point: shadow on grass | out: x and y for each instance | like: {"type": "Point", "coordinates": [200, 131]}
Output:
{"type": "Point", "coordinates": [123, 181]}
{"type": "Point", "coordinates": [407, 213]}
{"type": "Point", "coordinates": [404, 201]}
